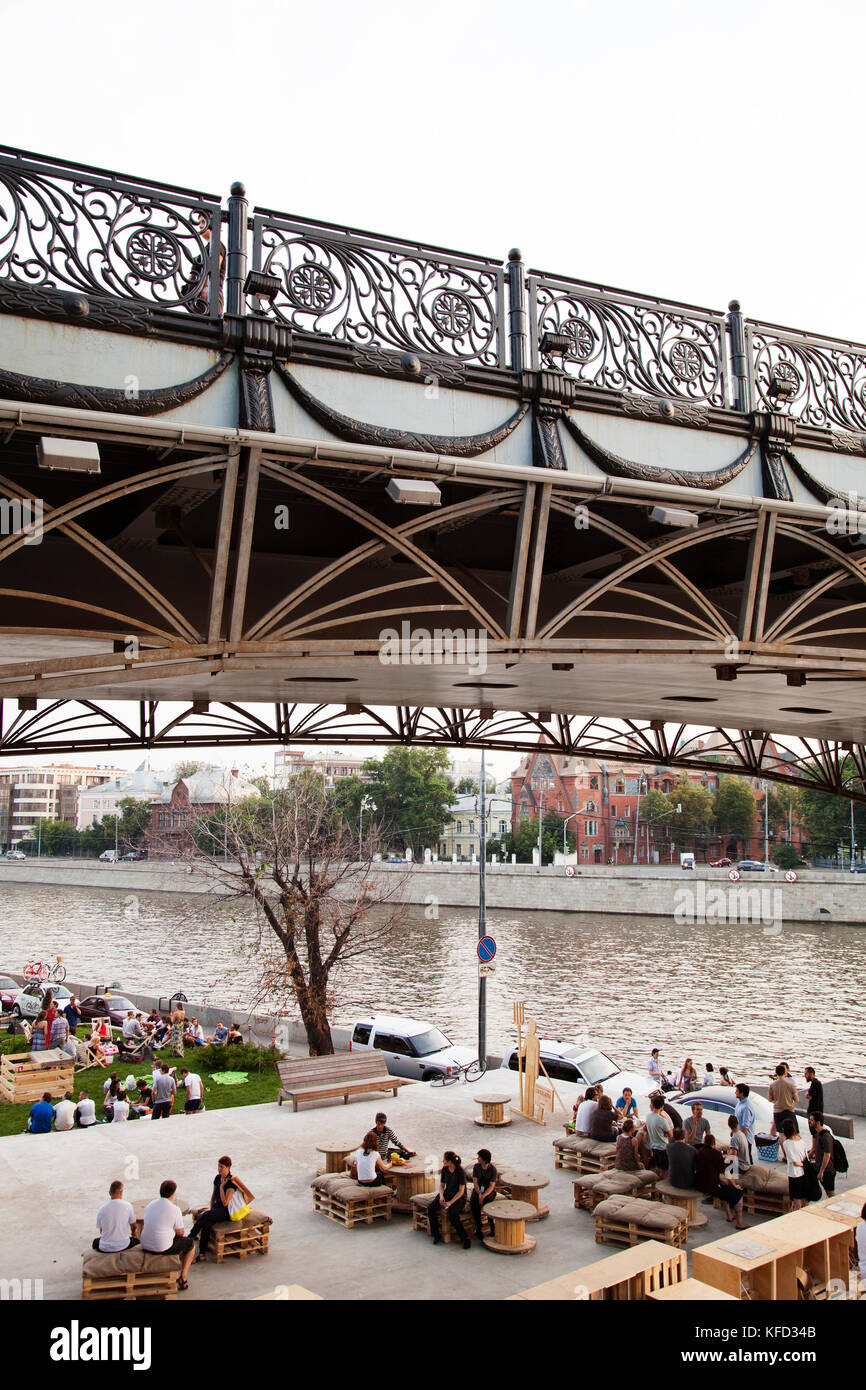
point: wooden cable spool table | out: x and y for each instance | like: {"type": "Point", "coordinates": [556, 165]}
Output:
{"type": "Point", "coordinates": [493, 1111]}
{"type": "Point", "coordinates": [523, 1187]}
{"type": "Point", "coordinates": [509, 1219]}
{"type": "Point", "coordinates": [684, 1197]}
{"type": "Point", "coordinates": [335, 1156]}
{"type": "Point", "coordinates": [408, 1180]}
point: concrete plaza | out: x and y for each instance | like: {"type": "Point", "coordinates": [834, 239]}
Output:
{"type": "Point", "coordinates": [53, 1185]}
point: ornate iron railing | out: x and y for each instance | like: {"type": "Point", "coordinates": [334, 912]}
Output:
{"type": "Point", "coordinates": [817, 380]}
{"type": "Point", "coordinates": [373, 291]}
{"type": "Point", "coordinates": [627, 343]}
{"type": "Point", "coordinates": [64, 226]}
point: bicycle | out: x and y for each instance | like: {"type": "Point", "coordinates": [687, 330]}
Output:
{"type": "Point", "coordinates": [40, 970]}
{"type": "Point", "coordinates": [473, 1071]}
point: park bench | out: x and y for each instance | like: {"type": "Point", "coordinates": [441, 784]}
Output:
{"type": "Point", "coordinates": [328, 1078]}
{"type": "Point", "coordinates": [592, 1188]}
{"type": "Point", "coordinates": [584, 1155]}
{"type": "Point", "coordinates": [625, 1220]}
{"type": "Point", "coordinates": [130, 1274]}
{"type": "Point", "coordinates": [765, 1190]}
{"type": "Point", "coordinates": [345, 1201]}
{"type": "Point", "coordinates": [249, 1236]}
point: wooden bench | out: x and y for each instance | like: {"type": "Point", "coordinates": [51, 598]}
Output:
{"type": "Point", "coordinates": [343, 1200]}
{"type": "Point", "coordinates": [343, 1074]}
{"type": "Point", "coordinates": [628, 1220]}
{"type": "Point", "coordinates": [592, 1188]}
{"type": "Point", "coordinates": [584, 1155]}
{"type": "Point", "coordinates": [628, 1275]}
{"type": "Point", "coordinates": [765, 1189]}
{"type": "Point", "coordinates": [129, 1275]}
{"type": "Point", "coordinates": [421, 1203]}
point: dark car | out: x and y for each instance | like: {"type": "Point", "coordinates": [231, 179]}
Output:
{"type": "Point", "coordinates": [133, 855]}
{"type": "Point", "coordinates": [754, 866]}
{"type": "Point", "coordinates": [116, 1006]}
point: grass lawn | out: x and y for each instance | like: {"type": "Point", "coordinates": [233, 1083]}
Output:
{"type": "Point", "coordinates": [262, 1083]}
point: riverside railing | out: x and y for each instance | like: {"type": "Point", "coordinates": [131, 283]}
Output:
{"type": "Point", "coordinates": [65, 227]}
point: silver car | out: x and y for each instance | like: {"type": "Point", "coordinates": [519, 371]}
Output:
{"type": "Point", "coordinates": [29, 1001]}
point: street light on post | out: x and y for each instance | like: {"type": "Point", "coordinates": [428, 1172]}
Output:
{"type": "Point", "coordinates": [573, 816]}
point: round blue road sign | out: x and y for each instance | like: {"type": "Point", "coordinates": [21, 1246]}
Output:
{"type": "Point", "coordinates": [486, 948]}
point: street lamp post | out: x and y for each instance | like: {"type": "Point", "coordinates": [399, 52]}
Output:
{"type": "Point", "coordinates": [573, 816]}
{"type": "Point", "coordinates": [116, 823]}
{"type": "Point", "coordinates": [482, 865]}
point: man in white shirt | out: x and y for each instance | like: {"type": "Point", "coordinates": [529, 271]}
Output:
{"type": "Point", "coordinates": [132, 1027]}
{"type": "Point", "coordinates": [85, 1111]}
{"type": "Point", "coordinates": [860, 1238]}
{"type": "Point", "coordinates": [653, 1066]}
{"type": "Point", "coordinates": [162, 1230]}
{"type": "Point", "coordinates": [584, 1113]}
{"type": "Point", "coordinates": [194, 1088]}
{"type": "Point", "coordinates": [116, 1221]}
{"type": "Point", "coordinates": [121, 1109]}
{"type": "Point", "coordinates": [64, 1112]}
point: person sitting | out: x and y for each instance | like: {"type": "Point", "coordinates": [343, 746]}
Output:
{"type": "Point", "coordinates": [234, 1035]}
{"type": "Point", "coordinates": [115, 1222]}
{"type": "Point", "coordinates": [38, 1040]}
{"type": "Point", "coordinates": [584, 1113]}
{"type": "Point", "coordinates": [725, 1078]}
{"type": "Point", "coordinates": [602, 1124]}
{"type": "Point", "coordinates": [102, 1028]}
{"type": "Point", "coordinates": [220, 1033]}
{"type": "Point", "coordinates": [132, 1030]}
{"type": "Point", "coordinates": [229, 1195]}
{"type": "Point", "coordinates": [669, 1080]}
{"type": "Point", "coordinates": [367, 1164]}
{"type": "Point", "coordinates": [85, 1111]}
{"type": "Point", "coordinates": [110, 1093]}
{"type": "Point", "coordinates": [709, 1171]}
{"type": "Point", "coordinates": [120, 1109]}
{"type": "Point", "coordinates": [161, 1032]}
{"type": "Point", "coordinates": [696, 1126]}
{"type": "Point", "coordinates": [450, 1198]}
{"type": "Point", "coordinates": [144, 1104]}
{"type": "Point", "coordinates": [388, 1141]}
{"type": "Point", "coordinates": [484, 1177]}
{"type": "Point", "coordinates": [64, 1112]}
{"type": "Point", "coordinates": [162, 1230]}
{"type": "Point", "coordinates": [626, 1105]}
{"type": "Point", "coordinates": [41, 1115]}
{"type": "Point", "coordinates": [681, 1160]}
{"type": "Point", "coordinates": [628, 1151]}
{"type": "Point", "coordinates": [93, 1048]}
{"type": "Point", "coordinates": [709, 1076]}
{"type": "Point", "coordinates": [738, 1147]}
{"type": "Point", "coordinates": [59, 1035]}
{"type": "Point", "coordinates": [194, 1035]}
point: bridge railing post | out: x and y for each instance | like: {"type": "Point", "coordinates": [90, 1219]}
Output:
{"type": "Point", "coordinates": [238, 211]}
{"type": "Point", "coordinates": [516, 310]}
{"type": "Point", "coordinates": [741, 375]}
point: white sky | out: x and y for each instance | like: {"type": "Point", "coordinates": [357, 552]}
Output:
{"type": "Point", "coordinates": [690, 150]}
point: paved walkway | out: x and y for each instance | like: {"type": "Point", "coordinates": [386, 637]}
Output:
{"type": "Point", "coordinates": [53, 1184]}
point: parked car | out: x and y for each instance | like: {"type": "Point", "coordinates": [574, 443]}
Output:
{"type": "Point", "coordinates": [109, 856]}
{"type": "Point", "coordinates": [29, 1000]}
{"type": "Point", "coordinates": [583, 1065]}
{"type": "Point", "coordinates": [8, 990]}
{"type": "Point", "coordinates": [15, 854]}
{"type": "Point", "coordinates": [133, 855]}
{"type": "Point", "coordinates": [410, 1046]}
{"type": "Point", "coordinates": [754, 866]}
{"type": "Point", "coordinates": [116, 1006]}
{"type": "Point", "coordinates": [722, 1100]}
{"type": "Point", "coordinates": [720, 863]}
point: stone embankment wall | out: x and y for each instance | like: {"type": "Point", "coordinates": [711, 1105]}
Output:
{"type": "Point", "coordinates": [817, 896]}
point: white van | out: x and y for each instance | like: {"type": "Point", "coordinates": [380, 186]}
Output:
{"type": "Point", "coordinates": [109, 856]}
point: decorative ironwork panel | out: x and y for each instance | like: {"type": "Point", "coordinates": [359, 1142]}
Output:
{"type": "Point", "coordinates": [628, 344]}
{"type": "Point", "coordinates": [816, 380]}
{"type": "Point", "coordinates": [372, 290]}
{"type": "Point", "coordinates": [66, 227]}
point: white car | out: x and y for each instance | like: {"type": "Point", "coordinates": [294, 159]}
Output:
{"type": "Point", "coordinates": [28, 1002]}
{"type": "Point", "coordinates": [15, 854]}
{"type": "Point", "coordinates": [109, 856]}
{"type": "Point", "coordinates": [410, 1046]}
{"type": "Point", "coordinates": [583, 1065]}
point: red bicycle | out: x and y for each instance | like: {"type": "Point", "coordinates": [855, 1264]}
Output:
{"type": "Point", "coordinates": [40, 970]}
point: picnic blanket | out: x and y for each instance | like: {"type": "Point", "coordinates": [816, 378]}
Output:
{"type": "Point", "coordinates": [229, 1078]}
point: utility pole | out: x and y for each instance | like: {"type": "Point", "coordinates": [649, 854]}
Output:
{"type": "Point", "coordinates": [482, 930]}
{"type": "Point", "coordinates": [540, 818]}
{"type": "Point", "coordinates": [852, 835]}
{"type": "Point", "coordinates": [766, 822]}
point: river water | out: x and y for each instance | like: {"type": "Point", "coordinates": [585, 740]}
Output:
{"type": "Point", "coordinates": [726, 993]}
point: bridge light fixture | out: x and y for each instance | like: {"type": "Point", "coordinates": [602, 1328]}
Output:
{"type": "Point", "coordinates": [68, 455]}
{"type": "Point", "coordinates": [556, 344]}
{"type": "Point", "coordinates": [414, 492]}
{"type": "Point", "coordinates": [675, 516]}
{"type": "Point", "coordinates": [795, 678]}
{"type": "Point", "coordinates": [262, 286]}
{"type": "Point", "coordinates": [726, 673]}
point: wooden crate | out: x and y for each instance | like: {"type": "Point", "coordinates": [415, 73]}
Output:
{"type": "Point", "coordinates": [757, 1201]}
{"type": "Point", "coordinates": [26, 1076]}
{"type": "Point", "coordinates": [628, 1275]}
{"type": "Point", "coordinates": [137, 1284]}
{"type": "Point", "coordinates": [609, 1229]}
{"type": "Point", "coordinates": [228, 1238]}
{"type": "Point", "coordinates": [421, 1218]}
{"type": "Point", "coordinates": [577, 1162]}
{"type": "Point", "coordinates": [354, 1211]}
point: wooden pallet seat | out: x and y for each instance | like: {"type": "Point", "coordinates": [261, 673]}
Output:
{"type": "Point", "coordinates": [625, 1220]}
{"type": "Point", "coordinates": [584, 1155]}
{"type": "Point", "coordinates": [421, 1203]}
{"type": "Point", "coordinates": [592, 1188]}
{"type": "Point", "coordinates": [129, 1274]}
{"type": "Point", "coordinates": [345, 1201]}
{"type": "Point", "coordinates": [766, 1190]}
{"type": "Point", "coordinates": [330, 1078]}
{"type": "Point", "coordinates": [249, 1236]}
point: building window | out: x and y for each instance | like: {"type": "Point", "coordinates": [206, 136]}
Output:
{"type": "Point", "coordinates": [620, 786]}
{"type": "Point", "coordinates": [584, 852]}
{"type": "Point", "coordinates": [591, 806]}
{"type": "Point", "coordinates": [592, 827]}
{"type": "Point", "coordinates": [503, 827]}
{"type": "Point", "coordinates": [613, 808]}
{"type": "Point", "coordinates": [472, 827]}
{"type": "Point", "coordinates": [460, 827]}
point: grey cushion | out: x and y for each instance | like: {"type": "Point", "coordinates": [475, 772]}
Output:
{"type": "Point", "coordinates": [99, 1265]}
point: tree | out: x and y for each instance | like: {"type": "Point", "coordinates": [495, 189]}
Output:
{"type": "Point", "coordinates": [133, 822]}
{"type": "Point", "coordinates": [188, 767]}
{"type": "Point", "coordinates": [316, 907]}
{"type": "Point", "coordinates": [826, 819]}
{"type": "Point", "coordinates": [734, 809]}
{"type": "Point", "coordinates": [695, 808]}
{"type": "Point", "coordinates": [411, 794]}
{"type": "Point", "coordinates": [785, 856]}
{"type": "Point", "coordinates": [656, 812]}
{"type": "Point", "coordinates": [468, 786]}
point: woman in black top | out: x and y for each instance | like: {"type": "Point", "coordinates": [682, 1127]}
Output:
{"type": "Point", "coordinates": [602, 1122]}
{"type": "Point", "coordinates": [450, 1198]}
{"type": "Point", "coordinates": [709, 1170]}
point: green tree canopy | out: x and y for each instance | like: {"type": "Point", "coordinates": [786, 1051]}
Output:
{"type": "Point", "coordinates": [734, 808]}
{"type": "Point", "coordinates": [411, 793]}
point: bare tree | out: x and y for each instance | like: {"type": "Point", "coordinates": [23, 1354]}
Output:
{"type": "Point", "coordinates": [288, 852]}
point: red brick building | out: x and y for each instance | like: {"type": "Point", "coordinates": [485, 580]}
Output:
{"type": "Point", "coordinates": [172, 816]}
